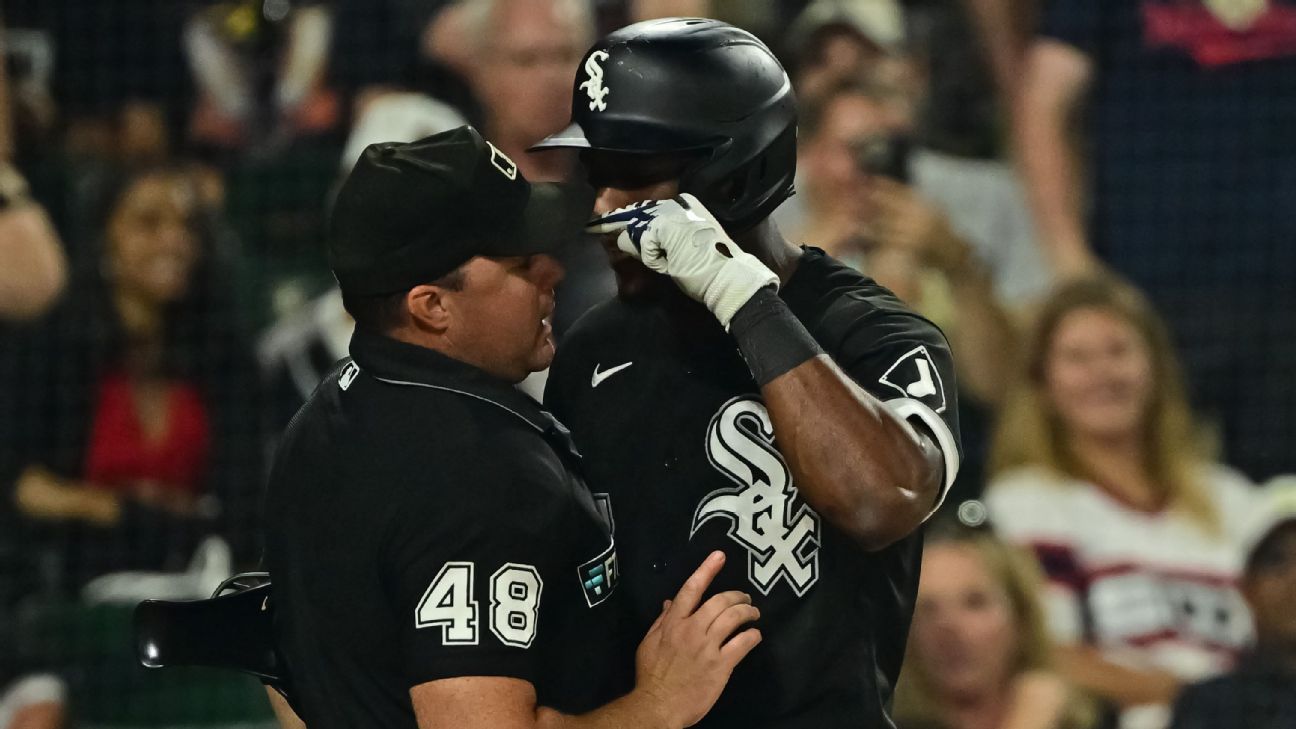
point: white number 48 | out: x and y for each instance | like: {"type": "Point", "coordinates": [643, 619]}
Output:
{"type": "Point", "coordinates": [448, 603]}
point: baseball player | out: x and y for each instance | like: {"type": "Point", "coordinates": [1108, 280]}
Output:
{"type": "Point", "coordinates": [437, 560]}
{"type": "Point", "coordinates": [742, 393]}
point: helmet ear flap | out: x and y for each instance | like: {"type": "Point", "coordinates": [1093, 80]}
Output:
{"type": "Point", "coordinates": [730, 198]}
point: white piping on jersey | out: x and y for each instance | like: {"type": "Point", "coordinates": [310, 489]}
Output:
{"type": "Point", "coordinates": [461, 392]}
{"type": "Point", "coordinates": [905, 408]}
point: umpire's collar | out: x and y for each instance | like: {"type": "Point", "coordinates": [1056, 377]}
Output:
{"type": "Point", "coordinates": [399, 363]}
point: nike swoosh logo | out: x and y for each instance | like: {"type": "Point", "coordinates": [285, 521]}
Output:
{"type": "Point", "coordinates": [598, 377]}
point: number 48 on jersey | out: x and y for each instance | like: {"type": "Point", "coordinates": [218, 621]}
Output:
{"type": "Point", "coordinates": [449, 604]}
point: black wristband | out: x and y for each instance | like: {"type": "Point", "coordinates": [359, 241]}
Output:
{"type": "Point", "coordinates": [772, 340]}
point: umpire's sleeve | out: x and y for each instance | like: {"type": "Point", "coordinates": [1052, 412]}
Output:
{"type": "Point", "coordinates": [468, 562]}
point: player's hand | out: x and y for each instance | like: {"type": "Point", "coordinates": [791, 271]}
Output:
{"type": "Point", "coordinates": [681, 239]}
{"type": "Point", "coordinates": [686, 658]}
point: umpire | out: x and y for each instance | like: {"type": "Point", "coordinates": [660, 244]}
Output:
{"type": "Point", "coordinates": [437, 559]}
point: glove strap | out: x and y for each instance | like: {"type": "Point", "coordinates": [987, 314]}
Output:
{"type": "Point", "coordinates": [772, 340]}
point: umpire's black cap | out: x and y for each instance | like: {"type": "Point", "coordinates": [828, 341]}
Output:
{"type": "Point", "coordinates": [410, 213]}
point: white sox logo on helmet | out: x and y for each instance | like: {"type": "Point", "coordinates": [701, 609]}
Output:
{"type": "Point", "coordinates": [593, 86]}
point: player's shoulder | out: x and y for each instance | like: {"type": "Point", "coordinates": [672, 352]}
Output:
{"type": "Point", "coordinates": [841, 306]}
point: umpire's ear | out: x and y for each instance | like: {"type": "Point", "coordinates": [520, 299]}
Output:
{"type": "Point", "coordinates": [426, 305]}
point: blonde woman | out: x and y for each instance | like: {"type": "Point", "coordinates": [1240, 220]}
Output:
{"type": "Point", "coordinates": [1096, 468]}
{"type": "Point", "coordinates": [979, 653]}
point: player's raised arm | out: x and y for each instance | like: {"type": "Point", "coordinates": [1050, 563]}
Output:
{"type": "Point", "coordinates": [874, 469]}
{"type": "Point", "coordinates": [682, 666]}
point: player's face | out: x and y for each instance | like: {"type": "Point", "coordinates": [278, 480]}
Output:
{"type": "Point", "coordinates": [1270, 588]}
{"type": "Point", "coordinates": [963, 625]}
{"type": "Point", "coordinates": [500, 318]}
{"type": "Point", "coordinates": [622, 179]}
{"type": "Point", "coordinates": [1098, 375]}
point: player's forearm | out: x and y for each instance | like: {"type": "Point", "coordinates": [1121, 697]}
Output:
{"type": "Point", "coordinates": [1055, 76]}
{"type": "Point", "coordinates": [632, 711]}
{"type": "Point", "coordinates": [854, 461]}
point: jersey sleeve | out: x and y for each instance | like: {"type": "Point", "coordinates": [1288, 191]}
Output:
{"type": "Point", "coordinates": [904, 361]}
{"type": "Point", "coordinates": [468, 562]}
{"type": "Point", "coordinates": [1028, 509]}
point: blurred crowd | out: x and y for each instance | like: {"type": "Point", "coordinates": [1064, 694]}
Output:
{"type": "Point", "coordinates": [1092, 198]}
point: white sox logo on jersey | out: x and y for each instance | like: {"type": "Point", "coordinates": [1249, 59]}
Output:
{"type": "Point", "coordinates": [593, 86]}
{"type": "Point", "coordinates": [778, 529]}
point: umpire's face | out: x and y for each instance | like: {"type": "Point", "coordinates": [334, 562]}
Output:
{"type": "Point", "coordinates": [499, 318]}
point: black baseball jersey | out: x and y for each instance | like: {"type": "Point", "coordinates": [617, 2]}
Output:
{"type": "Point", "coordinates": [427, 521]}
{"type": "Point", "coordinates": [672, 426]}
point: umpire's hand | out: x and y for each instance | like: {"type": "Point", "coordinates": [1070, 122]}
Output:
{"type": "Point", "coordinates": [688, 654]}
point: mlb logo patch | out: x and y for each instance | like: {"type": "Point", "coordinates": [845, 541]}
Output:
{"type": "Point", "coordinates": [349, 373]}
{"type": "Point", "coordinates": [598, 577]}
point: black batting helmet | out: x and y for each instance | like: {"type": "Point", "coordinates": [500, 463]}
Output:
{"type": "Point", "coordinates": [692, 85]}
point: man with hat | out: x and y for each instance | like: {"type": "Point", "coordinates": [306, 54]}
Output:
{"type": "Point", "coordinates": [1261, 692]}
{"type": "Point", "coordinates": [436, 556]}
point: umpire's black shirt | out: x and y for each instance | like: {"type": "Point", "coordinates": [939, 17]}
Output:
{"type": "Point", "coordinates": [428, 521]}
{"type": "Point", "coordinates": [674, 430]}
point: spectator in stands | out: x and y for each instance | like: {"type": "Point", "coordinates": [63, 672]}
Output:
{"type": "Point", "coordinates": [863, 204]}
{"type": "Point", "coordinates": [1096, 467]}
{"type": "Point", "coordinates": [135, 400]}
{"type": "Point", "coordinates": [523, 60]}
{"type": "Point", "coordinates": [32, 276]}
{"type": "Point", "coordinates": [1192, 164]}
{"type": "Point", "coordinates": [834, 41]}
{"type": "Point", "coordinates": [1261, 693]}
{"type": "Point", "coordinates": [979, 654]}
{"type": "Point", "coordinates": [261, 70]}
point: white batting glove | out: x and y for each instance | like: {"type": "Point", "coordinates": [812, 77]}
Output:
{"type": "Point", "coordinates": [681, 239]}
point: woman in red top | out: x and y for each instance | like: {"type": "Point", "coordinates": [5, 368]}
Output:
{"type": "Point", "coordinates": [135, 403]}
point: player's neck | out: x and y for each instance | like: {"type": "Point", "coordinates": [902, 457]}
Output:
{"type": "Point", "coordinates": [767, 243]}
